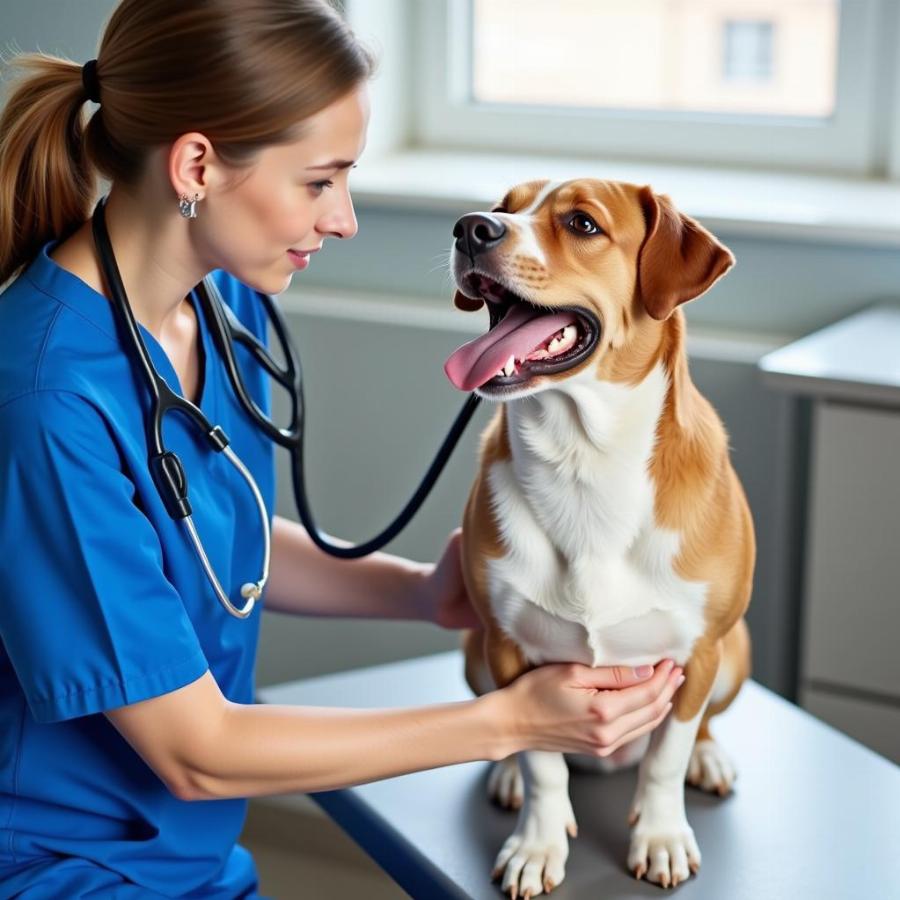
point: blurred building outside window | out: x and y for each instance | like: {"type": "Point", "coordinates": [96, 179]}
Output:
{"type": "Point", "coordinates": [811, 85]}
{"type": "Point", "coordinates": [765, 57]}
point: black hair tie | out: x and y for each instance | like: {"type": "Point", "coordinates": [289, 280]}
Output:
{"type": "Point", "coordinates": [90, 81]}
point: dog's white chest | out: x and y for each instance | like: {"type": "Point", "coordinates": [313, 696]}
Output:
{"type": "Point", "coordinates": [588, 576]}
{"type": "Point", "coordinates": [609, 612]}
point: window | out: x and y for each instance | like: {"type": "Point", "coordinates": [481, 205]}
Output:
{"type": "Point", "coordinates": [780, 83]}
{"type": "Point", "coordinates": [748, 52]}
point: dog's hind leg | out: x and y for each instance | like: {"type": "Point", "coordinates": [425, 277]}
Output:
{"type": "Point", "coordinates": [710, 768]}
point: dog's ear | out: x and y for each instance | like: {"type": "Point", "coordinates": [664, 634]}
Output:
{"type": "Point", "coordinates": [679, 259]}
{"type": "Point", "coordinates": [467, 303]}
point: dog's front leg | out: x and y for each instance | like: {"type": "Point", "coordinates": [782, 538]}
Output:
{"type": "Point", "coordinates": [534, 856]}
{"type": "Point", "coordinates": [663, 846]}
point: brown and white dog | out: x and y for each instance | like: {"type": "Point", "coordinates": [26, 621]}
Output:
{"type": "Point", "coordinates": [606, 525]}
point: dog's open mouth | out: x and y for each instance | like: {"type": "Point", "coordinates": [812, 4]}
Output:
{"type": "Point", "coordinates": [524, 340]}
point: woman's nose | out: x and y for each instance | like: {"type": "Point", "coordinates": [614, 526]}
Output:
{"type": "Point", "coordinates": [340, 221]}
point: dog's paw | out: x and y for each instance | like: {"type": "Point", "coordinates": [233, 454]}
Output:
{"type": "Point", "coordinates": [710, 769]}
{"type": "Point", "coordinates": [505, 785]}
{"type": "Point", "coordinates": [533, 859]}
{"type": "Point", "coordinates": [664, 852]}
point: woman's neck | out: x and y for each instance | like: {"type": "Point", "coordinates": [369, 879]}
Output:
{"type": "Point", "coordinates": [153, 253]}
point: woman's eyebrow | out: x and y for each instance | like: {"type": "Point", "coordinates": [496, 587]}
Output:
{"type": "Point", "coordinates": [334, 164]}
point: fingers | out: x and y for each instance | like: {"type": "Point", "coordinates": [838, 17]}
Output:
{"type": "Point", "coordinates": [612, 677]}
{"type": "Point", "coordinates": [614, 704]}
{"type": "Point", "coordinates": [633, 735]}
{"type": "Point", "coordinates": [627, 727]}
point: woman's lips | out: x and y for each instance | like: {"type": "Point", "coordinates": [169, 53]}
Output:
{"type": "Point", "coordinates": [300, 260]}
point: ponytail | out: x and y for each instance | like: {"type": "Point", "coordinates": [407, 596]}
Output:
{"type": "Point", "coordinates": [246, 73]}
{"type": "Point", "coordinates": [47, 183]}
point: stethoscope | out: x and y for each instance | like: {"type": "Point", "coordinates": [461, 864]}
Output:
{"type": "Point", "coordinates": [165, 466]}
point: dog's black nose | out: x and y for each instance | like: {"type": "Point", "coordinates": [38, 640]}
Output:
{"type": "Point", "coordinates": [477, 232]}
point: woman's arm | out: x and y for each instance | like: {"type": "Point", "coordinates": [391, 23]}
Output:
{"type": "Point", "coordinates": [305, 580]}
{"type": "Point", "coordinates": [204, 747]}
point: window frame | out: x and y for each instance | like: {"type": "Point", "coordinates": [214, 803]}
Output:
{"type": "Point", "coordinates": [851, 142]}
{"type": "Point", "coordinates": [891, 71]}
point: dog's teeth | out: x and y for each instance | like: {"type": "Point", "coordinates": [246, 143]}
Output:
{"type": "Point", "coordinates": [510, 367]}
{"type": "Point", "coordinates": [566, 336]}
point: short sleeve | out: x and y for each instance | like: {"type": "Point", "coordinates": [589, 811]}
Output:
{"type": "Point", "coordinates": [88, 617]}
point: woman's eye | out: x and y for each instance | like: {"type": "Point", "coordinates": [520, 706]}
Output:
{"type": "Point", "coordinates": [584, 224]}
{"type": "Point", "coordinates": [319, 186]}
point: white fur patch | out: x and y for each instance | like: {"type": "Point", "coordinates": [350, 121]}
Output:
{"type": "Point", "coordinates": [588, 575]}
{"type": "Point", "coordinates": [543, 194]}
{"type": "Point", "coordinates": [522, 226]}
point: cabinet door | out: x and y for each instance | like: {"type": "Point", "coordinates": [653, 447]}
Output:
{"type": "Point", "coordinates": [851, 616]}
{"type": "Point", "coordinates": [876, 725]}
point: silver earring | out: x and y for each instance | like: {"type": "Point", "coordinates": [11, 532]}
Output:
{"type": "Point", "coordinates": [188, 208]}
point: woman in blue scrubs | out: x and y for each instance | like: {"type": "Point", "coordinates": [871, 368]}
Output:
{"type": "Point", "coordinates": [129, 741]}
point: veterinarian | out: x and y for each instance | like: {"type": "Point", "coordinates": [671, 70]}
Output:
{"type": "Point", "coordinates": [129, 740]}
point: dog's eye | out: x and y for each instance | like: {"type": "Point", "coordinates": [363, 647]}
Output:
{"type": "Point", "coordinates": [581, 223]}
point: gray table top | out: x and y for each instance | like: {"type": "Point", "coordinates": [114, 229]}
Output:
{"type": "Point", "coordinates": [856, 359]}
{"type": "Point", "coordinates": [813, 814]}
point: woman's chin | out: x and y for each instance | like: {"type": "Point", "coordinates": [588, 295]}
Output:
{"type": "Point", "coordinates": [285, 284]}
{"type": "Point", "coordinates": [269, 284]}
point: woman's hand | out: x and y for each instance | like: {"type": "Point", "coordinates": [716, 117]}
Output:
{"type": "Point", "coordinates": [574, 708]}
{"type": "Point", "coordinates": [565, 707]}
{"type": "Point", "coordinates": [443, 598]}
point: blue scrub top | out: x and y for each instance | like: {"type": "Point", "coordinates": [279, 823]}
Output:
{"type": "Point", "coordinates": [103, 601]}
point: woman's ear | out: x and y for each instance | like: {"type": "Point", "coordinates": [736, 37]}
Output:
{"type": "Point", "coordinates": [679, 259]}
{"type": "Point", "coordinates": [469, 304]}
{"type": "Point", "coordinates": [192, 164]}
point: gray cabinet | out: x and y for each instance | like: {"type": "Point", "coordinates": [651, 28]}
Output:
{"type": "Point", "coordinates": [850, 620]}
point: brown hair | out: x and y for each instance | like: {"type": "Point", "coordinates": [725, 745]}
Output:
{"type": "Point", "coordinates": [245, 73]}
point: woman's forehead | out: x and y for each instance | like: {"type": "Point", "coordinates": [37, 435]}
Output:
{"type": "Point", "coordinates": [338, 131]}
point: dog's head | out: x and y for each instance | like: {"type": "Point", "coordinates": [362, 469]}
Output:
{"type": "Point", "coordinates": [571, 272]}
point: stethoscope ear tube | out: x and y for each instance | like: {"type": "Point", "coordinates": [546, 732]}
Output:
{"type": "Point", "coordinates": [165, 466]}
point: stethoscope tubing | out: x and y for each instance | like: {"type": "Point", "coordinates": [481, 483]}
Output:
{"type": "Point", "coordinates": [225, 330]}
{"type": "Point", "coordinates": [290, 377]}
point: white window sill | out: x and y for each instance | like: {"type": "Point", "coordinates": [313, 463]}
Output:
{"type": "Point", "coordinates": [736, 202]}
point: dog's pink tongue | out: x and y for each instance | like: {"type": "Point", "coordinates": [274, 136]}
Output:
{"type": "Point", "coordinates": [521, 330]}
